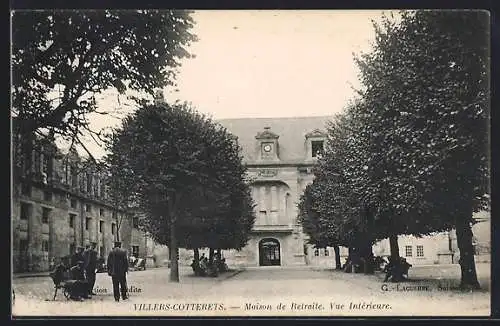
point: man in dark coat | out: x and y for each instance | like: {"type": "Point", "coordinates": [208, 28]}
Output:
{"type": "Point", "coordinates": [118, 269]}
{"type": "Point", "coordinates": [90, 256]}
{"type": "Point", "coordinates": [77, 256]}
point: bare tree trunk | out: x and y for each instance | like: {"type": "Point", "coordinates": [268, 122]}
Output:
{"type": "Point", "coordinates": [211, 256]}
{"type": "Point", "coordinates": [338, 263]}
{"type": "Point", "coordinates": [368, 258]}
{"type": "Point", "coordinates": [174, 250]}
{"type": "Point", "coordinates": [196, 257]}
{"type": "Point", "coordinates": [395, 262]}
{"type": "Point", "coordinates": [467, 264]}
{"type": "Point", "coordinates": [393, 243]}
{"type": "Point", "coordinates": [174, 266]}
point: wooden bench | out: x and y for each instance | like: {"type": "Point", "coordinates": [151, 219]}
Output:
{"type": "Point", "coordinates": [61, 281]}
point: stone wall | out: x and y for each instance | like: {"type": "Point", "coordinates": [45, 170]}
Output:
{"type": "Point", "coordinates": [46, 240]}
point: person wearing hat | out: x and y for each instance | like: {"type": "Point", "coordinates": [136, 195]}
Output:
{"type": "Point", "coordinates": [90, 258]}
{"type": "Point", "coordinates": [80, 287]}
{"type": "Point", "coordinates": [118, 269]}
{"type": "Point", "coordinates": [77, 256]}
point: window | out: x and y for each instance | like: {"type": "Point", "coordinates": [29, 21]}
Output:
{"type": "Point", "coordinates": [25, 211]}
{"type": "Point", "coordinates": [37, 161]}
{"type": "Point", "coordinates": [102, 193]}
{"type": "Point", "coordinates": [317, 147]}
{"type": "Point", "coordinates": [87, 223]}
{"type": "Point", "coordinates": [45, 245]}
{"type": "Point", "coordinates": [73, 203]}
{"type": "Point", "coordinates": [88, 208]}
{"type": "Point", "coordinates": [47, 196]}
{"type": "Point", "coordinates": [72, 248]}
{"type": "Point", "coordinates": [420, 251]}
{"type": "Point", "coordinates": [135, 251]}
{"type": "Point", "coordinates": [72, 218]}
{"type": "Point", "coordinates": [47, 165]}
{"type": "Point", "coordinates": [89, 183]}
{"type": "Point", "coordinates": [45, 215]}
{"type": "Point", "coordinates": [316, 252]}
{"type": "Point", "coordinates": [74, 177]}
{"type": "Point", "coordinates": [408, 251]}
{"type": "Point", "coordinates": [101, 250]}
{"type": "Point", "coordinates": [327, 253]}
{"type": "Point", "coordinates": [82, 181]}
{"type": "Point", "coordinates": [101, 226]}
{"type": "Point", "coordinates": [26, 189]}
{"type": "Point", "coordinates": [27, 162]}
{"type": "Point", "coordinates": [113, 228]}
{"type": "Point", "coordinates": [101, 211]}
{"type": "Point", "coordinates": [135, 222]}
{"type": "Point", "coordinates": [23, 246]}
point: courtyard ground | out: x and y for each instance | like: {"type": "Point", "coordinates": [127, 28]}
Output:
{"type": "Point", "coordinates": [272, 291]}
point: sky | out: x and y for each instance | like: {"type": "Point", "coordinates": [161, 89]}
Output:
{"type": "Point", "coordinates": [265, 64]}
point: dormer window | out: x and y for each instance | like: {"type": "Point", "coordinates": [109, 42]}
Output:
{"type": "Point", "coordinates": [317, 147]}
{"type": "Point", "coordinates": [315, 144]}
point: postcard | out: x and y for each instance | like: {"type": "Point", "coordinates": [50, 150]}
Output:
{"type": "Point", "coordinates": [250, 163]}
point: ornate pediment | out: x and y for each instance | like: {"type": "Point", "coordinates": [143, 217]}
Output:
{"type": "Point", "coordinates": [266, 134]}
{"type": "Point", "coordinates": [316, 133]}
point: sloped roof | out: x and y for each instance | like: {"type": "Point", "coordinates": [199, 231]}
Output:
{"type": "Point", "coordinates": [292, 133]}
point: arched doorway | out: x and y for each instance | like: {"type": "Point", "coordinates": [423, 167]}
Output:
{"type": "Point", "coordinates": [269, 252]}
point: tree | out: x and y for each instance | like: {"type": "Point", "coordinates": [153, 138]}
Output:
{"type": "Point", "coordinates": [62, 59]}
{"type": "Point", "coordinates": [333, 209]}
{"type": "Point", "coordinates": [173, 157]}
{"type": "Point", "coordinates": [426, 102]}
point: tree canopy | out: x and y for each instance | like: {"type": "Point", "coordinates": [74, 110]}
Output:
{"type": "Point", "coordinates": [61, 59]}
{"type": "Point", "coordinates": [186, 174]}
{"type": "Point", "coordinates": [410, 155]}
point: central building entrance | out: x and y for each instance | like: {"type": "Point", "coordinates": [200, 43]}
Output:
{"type": "Point", "coordinates": [269, 252]}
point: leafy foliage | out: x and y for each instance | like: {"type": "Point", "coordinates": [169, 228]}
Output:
{"type": "Point", "coordinates": [181, 167]}
{"type": "Point", "coordinates": [410, 156]}
{"type": "Point", "coordinates": [61, 59]}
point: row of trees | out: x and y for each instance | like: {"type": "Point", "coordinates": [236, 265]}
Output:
{"type": "Point", "coordinates": [410, 155]}
{"type": "Point", "coordinates": [184, 172]}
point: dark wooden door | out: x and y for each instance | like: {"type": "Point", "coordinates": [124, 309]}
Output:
{"type": "Point", "coordinates": [269, 252]}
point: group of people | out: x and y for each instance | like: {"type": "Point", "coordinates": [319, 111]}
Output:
{"type": "Point", "coordinates": [206, 268]}
{"type": "Point", "coordinates": [82, 267]}
{"type": "Point", "coordinates": [396, 270]}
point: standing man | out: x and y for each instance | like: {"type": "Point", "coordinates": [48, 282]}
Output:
{"type": "Point", "coordinates": [118, 269]}
{"type": "Point", "coordinates": [91, 266]}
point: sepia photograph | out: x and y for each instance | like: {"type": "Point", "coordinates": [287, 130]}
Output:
{"type": "Point", "coordinates": [250, 163]}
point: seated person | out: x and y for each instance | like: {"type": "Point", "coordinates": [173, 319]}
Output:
{"type": "Point", "coordinates": [203, 266]}
{"type": "Point", "coordinates": [194, 266]}
{"type": "Point", "coordinates": [59, 273]}
{"type": "Point", "coordinates": [405, 266]}
{"type": "Point", "coordinates": [80, 287]}
{"type": "Point", "coordinates": [396, 270]}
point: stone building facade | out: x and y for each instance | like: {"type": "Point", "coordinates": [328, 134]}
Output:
{"type": "Point", "coordinates": [279, 154]}
{"type": "Point", "coordinates": [58, 203]}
